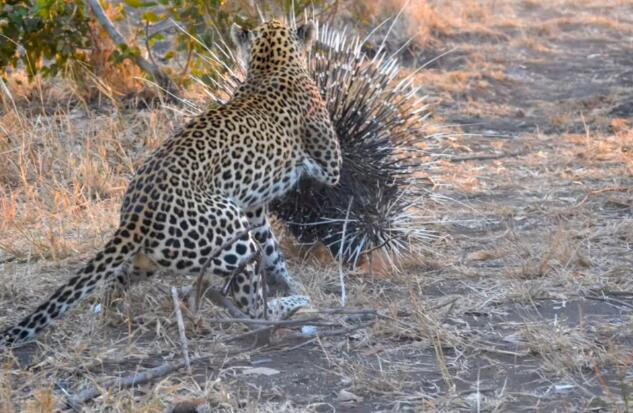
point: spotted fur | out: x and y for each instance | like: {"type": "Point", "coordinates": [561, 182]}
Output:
{"type": "Point", "coordinates": [213, 180]}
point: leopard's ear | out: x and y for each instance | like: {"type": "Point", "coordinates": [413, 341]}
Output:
{"type": "Point", "coordinates": [306, 33]}
{"type": "Point", "coordinates": [240, 36]}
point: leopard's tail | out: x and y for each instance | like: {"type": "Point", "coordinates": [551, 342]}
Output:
{"type": "Point", "coordinates": [102, 269]}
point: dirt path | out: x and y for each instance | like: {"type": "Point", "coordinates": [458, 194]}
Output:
{"type": "Point", "coordinates": [559, 70]}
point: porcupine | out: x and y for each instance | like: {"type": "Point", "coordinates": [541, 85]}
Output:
{"type": "Point", "coordinates": [378, 118]}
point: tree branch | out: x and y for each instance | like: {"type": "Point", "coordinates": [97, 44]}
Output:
{"type": "Point", "coordinates": [148, 67]}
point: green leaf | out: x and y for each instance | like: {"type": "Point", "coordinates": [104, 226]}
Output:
{"type": "Point", "coordinates": [137, 4]}
{"type": "Point", "coordinates": [150, 17]}
{"type": "Point", "coordinates": [43, 8]}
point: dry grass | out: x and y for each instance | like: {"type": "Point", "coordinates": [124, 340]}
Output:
{"type": "Point", "coordinates": [524, 302]}
{"type": "Point", "coordinates": [66, 172]}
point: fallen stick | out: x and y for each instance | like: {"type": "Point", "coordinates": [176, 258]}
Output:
{"type": "Point", "coordinates": [74, 402]}
{"type": "Point", "coordinates": [181, 328]}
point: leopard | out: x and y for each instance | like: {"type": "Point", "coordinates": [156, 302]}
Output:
{"type": "Point", "coordinates": [200, 200]}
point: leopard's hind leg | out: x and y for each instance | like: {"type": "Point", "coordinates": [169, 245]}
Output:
{"type": "Point", "coordinates": [274, 263]}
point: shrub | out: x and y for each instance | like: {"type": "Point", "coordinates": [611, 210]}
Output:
{"type": "Point", "coordinates": [43, 34]}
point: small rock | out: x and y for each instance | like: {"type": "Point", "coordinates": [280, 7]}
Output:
{"type": "Point", "coordinates": [345, 396]}
{"type": "Point", "coordinates": [264, 371]}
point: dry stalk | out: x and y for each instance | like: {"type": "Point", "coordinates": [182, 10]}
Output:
{"type": "Point", "coordinates": [340, 253]}
{"type": "Point", "coordinates": [441, 361]}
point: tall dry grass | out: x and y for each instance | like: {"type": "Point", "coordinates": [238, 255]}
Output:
{"type": "Point", "coordinates": [64, 167]}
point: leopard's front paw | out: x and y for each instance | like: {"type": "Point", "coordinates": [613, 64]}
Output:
{"type": "Point", "coordinates": [284, 307]}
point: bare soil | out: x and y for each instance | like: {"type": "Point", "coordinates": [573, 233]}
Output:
{"type": "Point", "coordinates": [524, 303]}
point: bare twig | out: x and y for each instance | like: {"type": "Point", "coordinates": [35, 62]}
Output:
{"type": "Point", "coordinates": [188, 60]}
{"type": "Point", "coordinates": [90, 393]}
{"type": "Point", "coordinates": [147, 46]}
{"type": "Point", "coordinates": [181, 328]}
{"type": "Point", "coordinates": [600, 191]}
